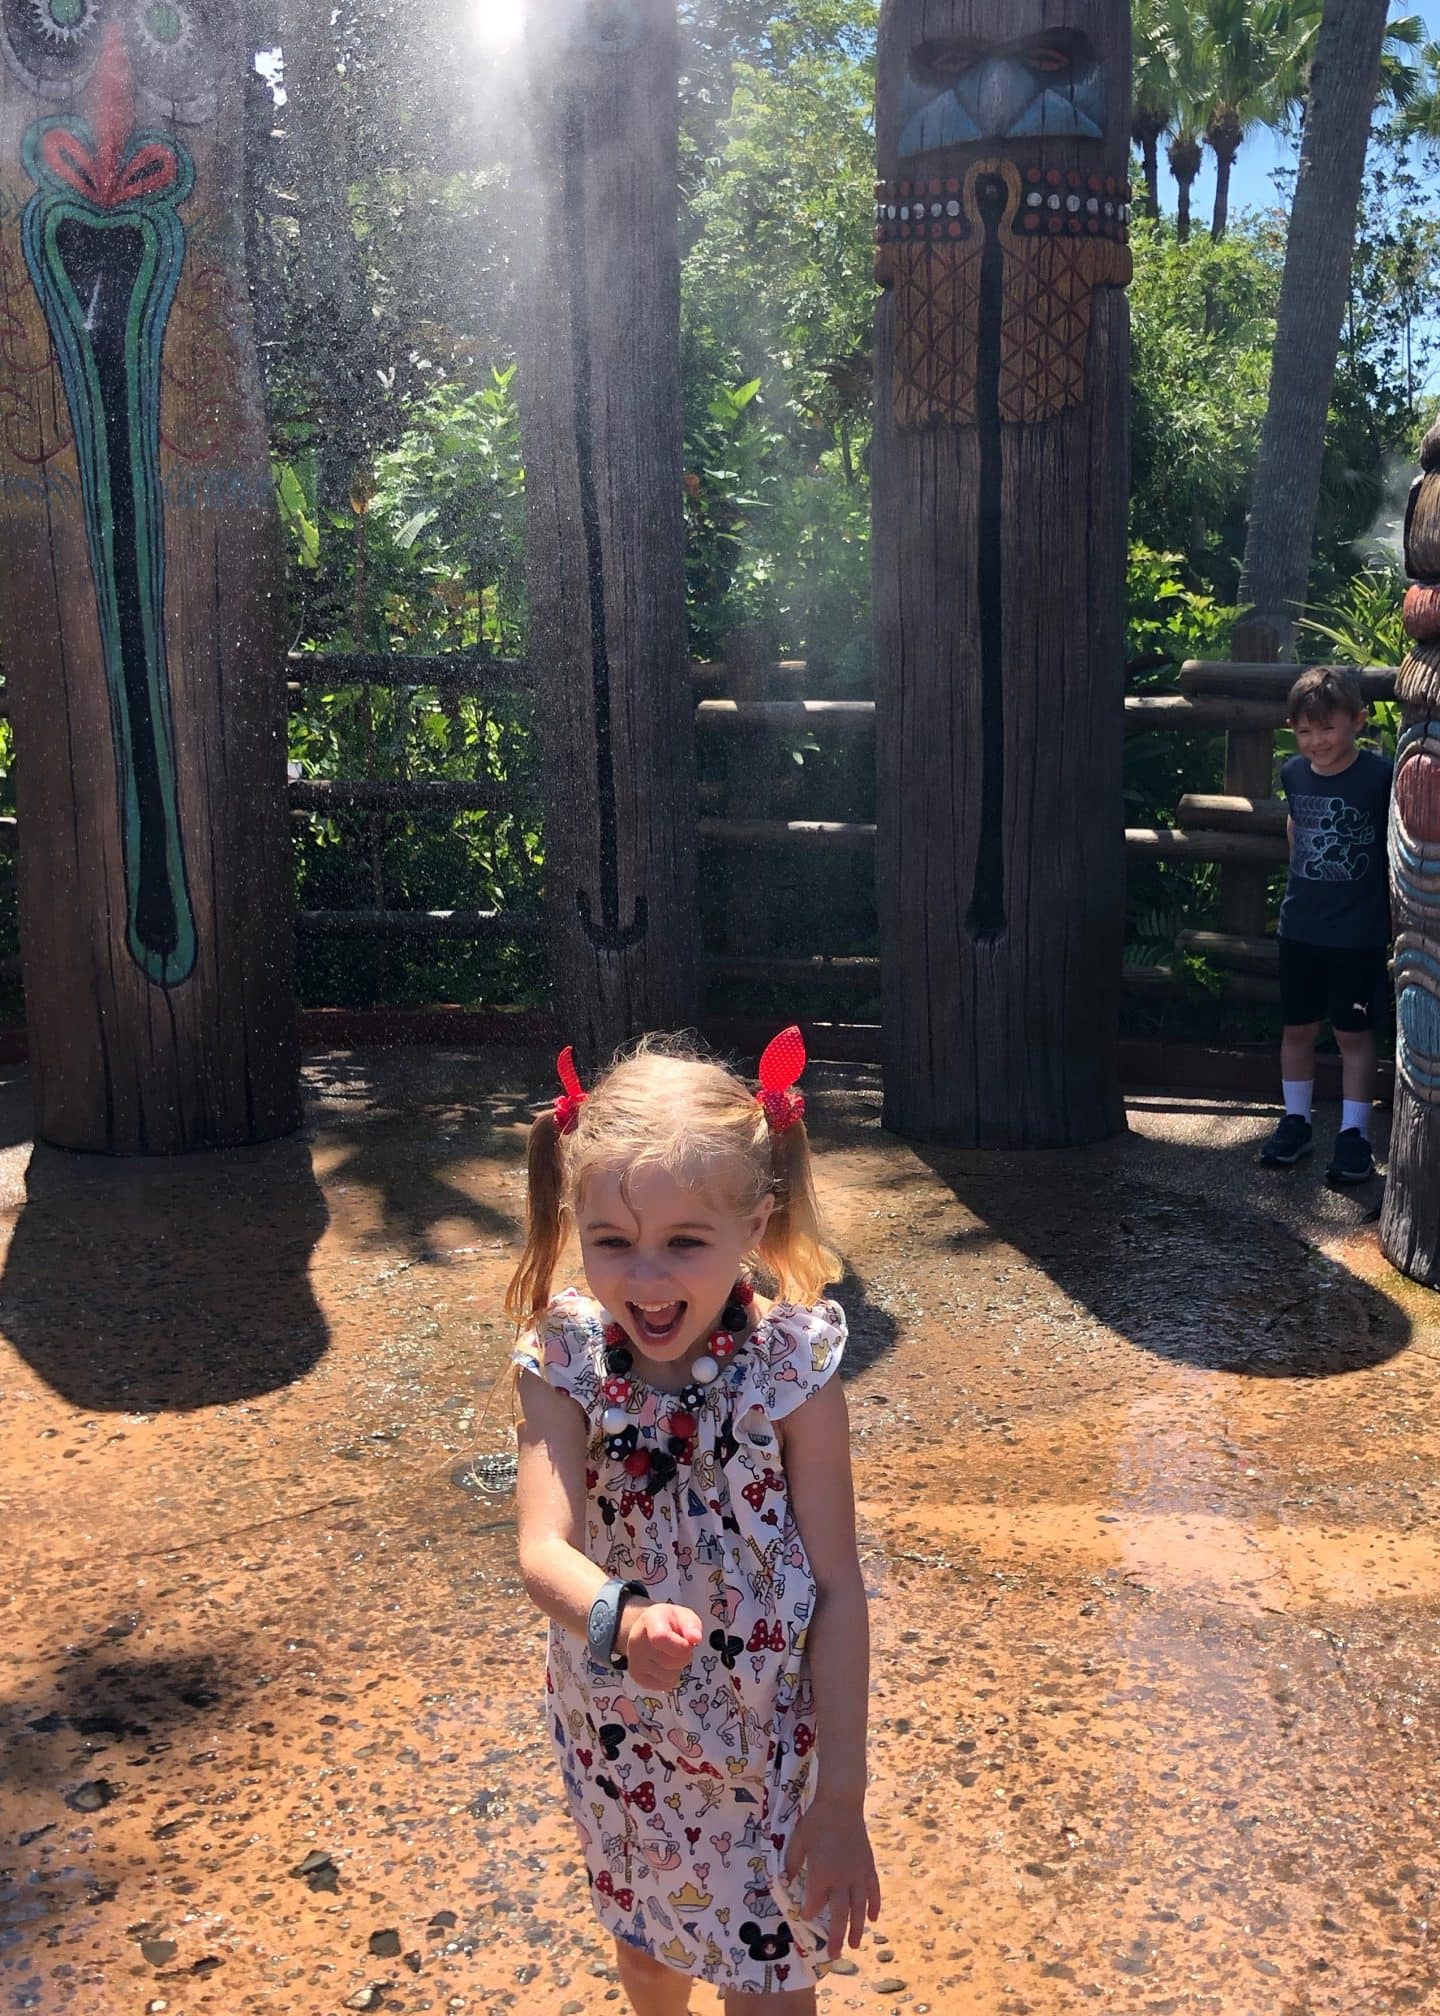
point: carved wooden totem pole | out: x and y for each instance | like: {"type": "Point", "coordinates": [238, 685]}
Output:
{"type": "Point", "coordinates": [1000, 484]}
{"type": "Point", "coordinates": [1410, 1223]}
{"type": "Point", "coordinates": [140, 612]}
{"type": "Point", "coordinates": [605, 561]}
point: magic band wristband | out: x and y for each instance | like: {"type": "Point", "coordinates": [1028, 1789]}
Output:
{"type": "Point", "coordinates": [603, 1625]}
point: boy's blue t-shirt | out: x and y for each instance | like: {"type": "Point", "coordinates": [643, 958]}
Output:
{"type": "Point", "coordinates": [1339, 887]}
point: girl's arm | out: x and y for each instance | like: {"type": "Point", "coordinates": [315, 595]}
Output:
{"type": "Point", "coordinates": [831, 1839]}
{"type": "Point", "coordinates": [559, 1577]}
{"type": "Point", "coordinates": [656, 1639]}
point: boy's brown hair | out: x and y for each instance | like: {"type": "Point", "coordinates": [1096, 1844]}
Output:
{"type": "Point", "coordinates": [1323, 690]}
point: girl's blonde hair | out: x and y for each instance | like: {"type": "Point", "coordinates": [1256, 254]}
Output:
{"type": "Point", "coordinates": [663, 1106]}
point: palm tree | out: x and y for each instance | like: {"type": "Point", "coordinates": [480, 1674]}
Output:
{"type": "Point", "coordinates": [1185, 152]}
{"type": "Point", "coordinates": [1344, 86]}
{"type": "Point", "coordinates": [1242, 65]}
{"type": "Point", "coordinates": [1154, 90]}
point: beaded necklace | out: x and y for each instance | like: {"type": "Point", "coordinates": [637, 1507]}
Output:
{"type": "Point", "coordinates": [622, 1436]}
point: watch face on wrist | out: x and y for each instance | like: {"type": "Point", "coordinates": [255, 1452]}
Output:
{"type": "Point", "coordinates": [603, 1623]}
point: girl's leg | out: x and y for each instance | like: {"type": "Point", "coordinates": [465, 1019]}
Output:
{"type": "Point", "coordinates": [654, 1989]}
{"type": "Point", "coordinates": [793, 2002]}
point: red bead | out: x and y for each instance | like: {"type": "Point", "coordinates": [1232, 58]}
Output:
{"type": "Point", "coordinates": [615, 1333]}
{"type": "Point", "coordinates": [743, 1291]}
{"type": "Point", "coordinates": [637, 1464]}
{"type": "Point", "coordinates": [682, 1424]}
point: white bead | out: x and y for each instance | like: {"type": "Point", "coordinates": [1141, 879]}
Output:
{"type": "Point", "coordinates": [1072, 204]}
{"type": "Point", "coordinates": [704, 1371]}
{"type": "Point", "coordinates": [952, 208]}
{"type": "Point", "coordinates": [614, 1420]}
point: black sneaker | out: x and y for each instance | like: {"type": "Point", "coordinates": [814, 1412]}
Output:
{"type": "Point", "coordinates": [1292, 1139]}
{"type": "Point", "coordinates": [1352, 1161]}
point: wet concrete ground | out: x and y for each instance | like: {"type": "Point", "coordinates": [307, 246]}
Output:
{"type": "Point", "coordinates": [1148, 1465]}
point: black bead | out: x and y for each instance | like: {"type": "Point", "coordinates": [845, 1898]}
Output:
{"type": "Point", "coordinates": [734, 1317]}
{"type": "Point", "coordinates": [618, 1360]}
{"type": "Point", "coordinates": [662, 1467]}
{"type": "Point", "coordinates": [678, 1444]}
{"type": "Point", "coordinates": [691, 1397]}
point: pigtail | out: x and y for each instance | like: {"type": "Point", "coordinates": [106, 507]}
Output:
{"type": "Point", "coordinates": [529, 1291]}
{"type": "Point", "coordinates": [794, 1248]}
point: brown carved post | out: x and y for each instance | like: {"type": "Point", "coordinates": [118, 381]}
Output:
{"type": "Point", "coordinates": [140, 590]}
{"type": "Point", "coordinates": [1000, 478]}
{"type": "Point", "coordinates": [1410, 1222]}
{"type": "Point", "coordinates": [600, 402]}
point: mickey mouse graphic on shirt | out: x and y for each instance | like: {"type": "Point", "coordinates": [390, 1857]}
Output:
{"type": "Point", "coordinates": [1331, 838]}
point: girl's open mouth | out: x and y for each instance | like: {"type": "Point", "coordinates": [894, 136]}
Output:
{"type": "Point", "coordinates": [657, 1322]}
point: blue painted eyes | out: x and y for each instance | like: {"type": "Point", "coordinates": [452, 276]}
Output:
{"type": "Point", "coordinates": [53, 46]}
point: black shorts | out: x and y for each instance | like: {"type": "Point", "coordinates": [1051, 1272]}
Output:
{"type": "Point", "coordinates": [1339, 984]}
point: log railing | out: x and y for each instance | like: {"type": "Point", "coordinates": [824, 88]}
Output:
{"type": "Point", "coordinates": [1242, 829]}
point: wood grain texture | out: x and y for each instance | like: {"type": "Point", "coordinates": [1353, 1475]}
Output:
{"type": "Point", "coordinates": [1002, 1037]}
{"type": "Point", "coordinates": [207, 1056]}
{"type": "Point", "coordinates": [600, 401]}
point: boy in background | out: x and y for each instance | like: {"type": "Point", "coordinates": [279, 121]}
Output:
{"type": "Point", "coordinates": [1335, 919]}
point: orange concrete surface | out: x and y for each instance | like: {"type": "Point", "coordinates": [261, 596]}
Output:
{"type": "Point", "coordinates": [1148, 1466]}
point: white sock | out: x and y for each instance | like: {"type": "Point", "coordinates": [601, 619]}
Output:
{"type": "Point", "coordinates": [1356, 1113]}
{"type": "Point", "coordinates": [1299, 1095]}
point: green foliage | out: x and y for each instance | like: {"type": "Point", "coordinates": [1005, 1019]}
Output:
{"type": "Point", "coordinates": [1203, 320]}
{"type": "Point", "coordinates": [1167, 620]}
{"type": "Point", "coordinates": [777, 301]}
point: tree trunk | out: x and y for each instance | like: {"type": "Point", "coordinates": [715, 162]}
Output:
{"type": "Point", "coordinates": [1000, 465]}
{"type": "Point", "coordinates": [1185, 155]}
{"type": "Point", "coordinates": [1150, 155]}
{"type": "Point", "coordinates": [1344, 82]}
{"type": "Point", "coordinates": [1220, 217]}
{"type": "Point", "coordinates": [141, 598]}
{"type": "Point", "coordinates": [605, 562]}
{"type": "Point", "coordinates": [1410, 1223]}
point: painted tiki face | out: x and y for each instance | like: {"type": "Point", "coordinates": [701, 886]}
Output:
{"type": "Point", "coordinates": [1002, 161]}
{"type": "Point", "coordinates": [958, 91]}
{"type": "Point", "coordinates": [104, 102]}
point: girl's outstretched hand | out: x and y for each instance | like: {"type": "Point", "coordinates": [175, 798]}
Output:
{"type": "Point", "coordinates": [830, 1844]}
{"type": "Point", "coordinates": [657, 1640]}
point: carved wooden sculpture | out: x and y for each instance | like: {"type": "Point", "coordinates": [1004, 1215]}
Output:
{"type": "Point", "coordinates": [600, 398]}
{"type": "Point", "coordinates": [1000, 478]}
{"type": "Point", "coordinates": [1410, 1223]}
{"type": "Point", "coordinates": [140, 595]}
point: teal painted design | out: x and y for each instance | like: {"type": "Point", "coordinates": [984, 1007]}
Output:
{"type": "Point", "coordinates": [105, 246]}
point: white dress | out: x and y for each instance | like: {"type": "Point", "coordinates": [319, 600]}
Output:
{"type": "Point", "coordinates": [685, 1802]}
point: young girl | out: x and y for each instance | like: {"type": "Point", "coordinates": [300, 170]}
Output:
{"type": "Point", "coordinates": [687, 1523]}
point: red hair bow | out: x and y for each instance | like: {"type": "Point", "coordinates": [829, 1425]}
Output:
{"type": "Point", "coordinates": [567, 1106]}
{"type": "Point", "coordinates": [780, 1068]}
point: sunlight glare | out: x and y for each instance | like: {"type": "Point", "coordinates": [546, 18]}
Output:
{"type": "Point", "coordinates": [497, 24]}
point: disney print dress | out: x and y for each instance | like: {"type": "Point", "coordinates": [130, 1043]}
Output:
{"type": "Point", "coordinates": [686, 1802]}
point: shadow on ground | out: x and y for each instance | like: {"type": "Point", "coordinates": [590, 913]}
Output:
{"type": "Point", "coordinates": [1181, 1246]}
{"type": "Point", "coordinates": [1184, 1277]}
{"type": "Point", "coordinates": [152, 1287]}
{"type": "Point", "coordinates": [403, 1121]}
